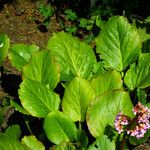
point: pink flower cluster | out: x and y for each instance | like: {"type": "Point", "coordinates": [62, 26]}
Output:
{"type": "Point", "coordinates": [137, 126]}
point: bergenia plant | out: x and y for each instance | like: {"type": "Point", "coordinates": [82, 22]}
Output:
{"type": "Point", "coordinates": [76, 92]}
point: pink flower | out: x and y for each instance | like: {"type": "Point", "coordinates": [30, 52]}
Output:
{"type": "Point", "coordinates": [137, 126]}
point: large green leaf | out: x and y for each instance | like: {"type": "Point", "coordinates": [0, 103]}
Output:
{"type": "Point", "coordinates": [4, 46]}
{"type": "Point", "coordinates": [42, 68]}
{"type": "Point", "coordinates": [103, 110]}
{"type": "Point", "coordinates": [75, 58]}
{"type": "Point", "coordinates": [102, 143]}
{"type": "Point", "coordinates": [118, 43]}
{"type": "Point", "coordinates": [139, 75]}
{"type": "Point", "coordinates": [20, 54]}
{"type": "Point", "coordinates": [59, 127]}
{"type": "Point", "coordinates": [78, 94]}
{"type": "Point", "coordinates": [8, 143]}
{"type": "Point", "coordinates": [111, 80]}
{"type": "Point", "coordinates": [32, 143]}
{"type": "Point", "coordinates": [63, 146]}
{"type": "Point", "coordinates": [37, 98]}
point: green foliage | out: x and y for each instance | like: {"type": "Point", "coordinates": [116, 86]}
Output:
{"type": "Point", "coordinates": [98, 113]}
{"type": "Point", "coordinates": [20, 54]}
{"type": "Point", "coordinates": [119, 44]}
{"type": "Point", "coordinates": [46, 10]}
{"type": "Point", "coordinates": [138, 75]}
{"type": "Point", "coordinates": [77, 96]}
{"type": "Point", "coordinates": [59, 127]}
{"type": "Point", "coordinates": [70, 14]}
{"type": "Point", "coordinates": [66, 49]}
{"type": "Point", "coordinates": [69, 89]}
{"type": "Point", "coordinates": [102, 143]}
{"type": "Point", "coordinates": [32, 143]}
{"type": "Point", "coordinates": [37, 98]}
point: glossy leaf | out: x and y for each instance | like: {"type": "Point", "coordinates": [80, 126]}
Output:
{"type": "Point", "coordinates": [32, 143]}
{"type": "Point", "coordinates": [4, 46]}
{"type": "Point", "coordinates": [77, 96]}
{"type": "Point", "coordinates": [103, 110]}
{"type": "Point", "coordinates": [8, 143]}
{"type": "Point", "coordinates": [20, 54]}
{"type": "Point", "coordinates": [75, 58]}
{"type": "Point", "coordinates": [42, 68]}
{"type": "Point", "coordinates": [111, 80]}
{"type": "Point", "coordinates": [139, 75]}
{"type": "Point", "coordinates": [37, 98]}
{"type": "Point", "coordinates": [63, 146]}
{"type": "Point", "coordinates": [102, 143]}
{"type": "Point", "coordinates": [118, 43]}
{"type": "Point", "coordinates": [59, 127]}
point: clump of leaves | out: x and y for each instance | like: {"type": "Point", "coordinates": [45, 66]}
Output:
{"type": "Point", "coordinates": [91, 89]}
{"type": "Point", "coordinates": [70, 14]}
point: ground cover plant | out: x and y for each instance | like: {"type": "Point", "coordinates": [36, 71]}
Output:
{"type": "Point", "coordinates": [84, 98]}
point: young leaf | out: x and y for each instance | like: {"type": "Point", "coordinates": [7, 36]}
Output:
{"type": "Point", "coordinates": [138, 76]}
{"type": "Point", "coordinates": [42, 68]}
{"type": "Point", "coordinates": [20, 54]}
{"type": "Point", "coordinates": [75, 58]}
{"type": "Point", "coordinates": [59, 127]}
{"type": "Point", "coordinates": [77, 96]}
{"type": "Point", "coordinates": [111, 80]}
{"type": "Point", "coordinates": [13, 132]}
{"type": "Point", "coordinates": [118, 44]}
{"type": "Point", "coordinates": [4, 46]}
{"type": "Point", "coordinates": [32, 143]}
{"type": "Point", "coordinates": [102, 143]}
{"type": "Point", "coordinates": [37, 98]}
{"type": "Point", "coordinates": [103, 110]}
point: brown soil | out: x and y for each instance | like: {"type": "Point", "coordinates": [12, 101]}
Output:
{"type": "Point", "coordinates": [18, 22]}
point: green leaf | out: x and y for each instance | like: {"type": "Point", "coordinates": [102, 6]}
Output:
{"type": "Point", "coordinates": [111, 80]}
{"type": "Point", "coordinates": [20, 54]}
{"type": "Point", "coordinates": [102, 143]}
{"type": "Point", "coordinates": [8, 143]}
{"type": "Point", "coordinates": [118, 43]}
{"type": "Point", "coordinates": [63, 146]}
{"type": "Point", "coordinates": [143, 35]}
{"type": "Point", "coordinates": [37, 98]}
{"type": "Point", "coordinates": [74, 57]}
{"type": "Point", "coordinates": [18, 107]}
{"type": "Point", "coordinates": [32, 143]}
{"type": "Point", "coordinates": [77, 96]}
{"type": "Point", "coordinates": [103, 110]}
{"type": "Point", "coordinates": [59, 127]}
{"type": "Point", "coordinates": [42, 68]}
{"type": "Point", "coordinates": [142, 95]}
{"type": "Point", "coordinates": [138, 75]}
{"type": "Point", "coordinates": [13, 132]}
{"type": "Point", "coordinates": [4, 46]}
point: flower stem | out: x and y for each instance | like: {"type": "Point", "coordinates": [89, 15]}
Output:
{"type": "Point", "coordinates": [123, 142]}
